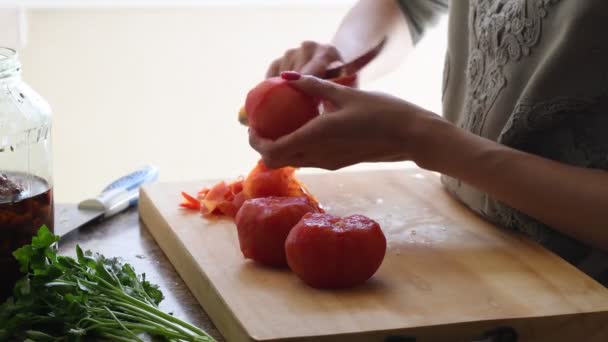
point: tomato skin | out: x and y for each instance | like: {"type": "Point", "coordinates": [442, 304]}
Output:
{"type": "Point", "coordinates": [264, 182]}
{"type": "Point", "coordinates": [221, 199]}
{"type": "Point", "coordinates": [329, 252]}
{"type": "Point", "coordinates": [274, 108]}
{"type": "Point", "coordinates": [263, 225]}
{"type": "Point", "coordinates": [190, 202]}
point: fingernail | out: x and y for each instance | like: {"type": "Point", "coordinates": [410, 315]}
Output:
{"type": "Point", "coordinates": [290, 75]}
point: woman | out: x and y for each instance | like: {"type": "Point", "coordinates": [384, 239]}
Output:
{"type": "Point", "coordinates": [523, 140]}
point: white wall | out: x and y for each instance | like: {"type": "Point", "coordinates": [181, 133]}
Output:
{"type": "Point", "coordinates": [163, 86]}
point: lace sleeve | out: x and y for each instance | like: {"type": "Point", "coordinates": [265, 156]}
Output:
{"type": "Point", "coordinates": [571, 131]}
{"type": "Point", "coordinates": [568, 130]}
{"type": "Point", "coordinates": [421, 14]}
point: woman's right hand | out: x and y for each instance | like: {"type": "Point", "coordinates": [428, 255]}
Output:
{"type": "Point", "coordinates": [311, 58]}
{"type": "Point", "coordinates": [364, 127]}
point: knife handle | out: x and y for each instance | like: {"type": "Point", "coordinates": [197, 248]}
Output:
{"type": "Point", "coordinates": [121, 203]}
{"type": "Point", "coordinates": [120, 193]}
{"type": "Point", "coordinates": [133, 180]}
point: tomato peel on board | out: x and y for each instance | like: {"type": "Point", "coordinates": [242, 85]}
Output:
{"type": "Point", "coordinates": [221, 199]}
{"type": "Point", "coordinates": [327, 251]}
{"type": "Point", "coordinates": [263, 225]}
{"type": "Point", "coordinates": [264, 182]}
{"type": "Point", "coordinates": [225, 199]}
{"type": "Point", "coordinates": [190, 202]}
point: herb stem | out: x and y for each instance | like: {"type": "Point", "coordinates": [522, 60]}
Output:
{"type": "Point", "coordinates": [160, 314]}
{"type": "Point", "coordinates": [141, 312]}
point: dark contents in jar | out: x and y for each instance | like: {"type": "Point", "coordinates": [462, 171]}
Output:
{"type": "Point", "coordinates": [9, 190]}
{"type": "Point", "coordinates": [22, 213]}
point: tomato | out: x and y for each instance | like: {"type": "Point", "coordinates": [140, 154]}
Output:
{"type": "Point", "coordinates": [265, 182]}
{"type": "Point", "coordinates": [326, 251]}
{"type": "Point", "coordinates": [263, 225]}
{"type": "Point", "coordinates": [274, 108]}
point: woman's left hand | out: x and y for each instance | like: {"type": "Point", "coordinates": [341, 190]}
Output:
{"type": "Point", "coordinates": [364, 127]}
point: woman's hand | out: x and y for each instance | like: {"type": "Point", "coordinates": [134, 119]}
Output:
{"type": "Point", "coordinates": [310, 58]}
{"type": "Point", "coordinates": [365, 127]}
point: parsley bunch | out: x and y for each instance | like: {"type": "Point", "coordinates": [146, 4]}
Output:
{"type": "Point", "coordinates": [63, 299]}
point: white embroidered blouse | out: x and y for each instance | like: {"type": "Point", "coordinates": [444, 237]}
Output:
{"type": "Point", "coordinates": [532, 75]}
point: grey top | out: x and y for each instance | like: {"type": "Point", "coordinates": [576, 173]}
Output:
{"type": "Point", "coordinates": [532, 75]}
{"type": "Point", "coordinates": [421, 14]}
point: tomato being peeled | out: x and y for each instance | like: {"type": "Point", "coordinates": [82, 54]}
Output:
{"type": "Point", "coordinates": [326, 251]}
{"type": "Point", "coordinates": [263, 225]}
{"type": "Point", "coordinates": [274, 108]}
{"type": "Point", "coordinates": [345, 80]}
{"type": "Point", "coordinates": [265, 182]}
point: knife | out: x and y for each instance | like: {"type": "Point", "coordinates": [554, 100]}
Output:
{"type": "Point", "coordinates": [356, 64]}
{"type": "Point", "coordinates": [113, 199]}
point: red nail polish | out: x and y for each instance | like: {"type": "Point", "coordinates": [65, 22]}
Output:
{"type": "Point", "coordinates": [290, 75]}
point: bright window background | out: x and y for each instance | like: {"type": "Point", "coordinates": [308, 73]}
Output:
{"type": "Point", "coordinates": [135, 85]}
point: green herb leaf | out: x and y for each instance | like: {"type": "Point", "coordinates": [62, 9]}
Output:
{"type": "Point", "coordinates": [44, 238]}
{"type": "Point", "coordinates": [60, 298]}
{"type": "Point", "coordinates": [23, 256]}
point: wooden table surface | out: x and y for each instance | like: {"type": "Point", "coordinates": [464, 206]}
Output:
{"type": "Point", "coordinates": [126, 237]}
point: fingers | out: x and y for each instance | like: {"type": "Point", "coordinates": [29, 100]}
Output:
{"type": "Point", "coordinates": [267, 149]}
{"type": "Point", "coordinates": [274, 68]}
{"type": "Point", "coordinates": [310, 58]}
{"type": "Point", "coordinates": [300, 148]}
{"type": "Point", "coordinates": [288, 150]}
{"type": "Point", "coordinates": [336, 94]}
{"type": "Point", "coordinates": [288, 60]}
{"type": "Point", "coordinates": [315, 66]}
{"type": "Point", "coordinates": [307, 51]}
{"type": "Point", "coordinates": [321, 61]}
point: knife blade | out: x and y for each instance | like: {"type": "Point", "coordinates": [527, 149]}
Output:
{"type": "Point", "coordinates": [119, 195]}
{"type": "Point", "coordinates": [356, 64]}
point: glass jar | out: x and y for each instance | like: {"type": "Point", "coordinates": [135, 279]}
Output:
{"type": "Point", "coordinates": [26, 200]}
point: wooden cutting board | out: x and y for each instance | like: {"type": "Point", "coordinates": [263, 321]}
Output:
{"type": "Point", "coordinates": [447, 275]}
